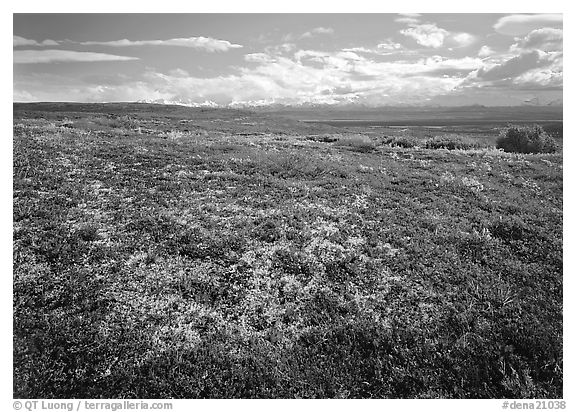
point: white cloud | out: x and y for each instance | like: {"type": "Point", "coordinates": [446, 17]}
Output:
{"type": "Point", "coordinates": [23, 96]}
{"type": "Point", "coordinates": [428, 35]}
{"type": "Point", "coordinates": [55, 56]}
{"type": "Point", "coordinates": [179, 73]}
{"type": "Point", "coordinates": [546, 78]}
{"type": "Point", "coordinates": [462, 39]}
{"type": "Point", "coordinates": [546, 39]}
{"type": "Point", "coordinates": [535, 70]}
{"type": "Point", "coordinates": [308, 76]}
{"type": "Point", "coordinates": [485, 51]}
{"type": "Point", "coordinates": [407, 20]}
{"type": "Point", "coordinates": [520, 24]}
{"type": "Point", "coordinates": [21, 41]}
{"type": "Point", "coordinates": [318, 30]}
{"type": "Point", "coordinates": [258, 58]}
{"type": "Point", "coordinates": [359, 50]}
{"type": "Point", "coordinates": [513, 67]}
{"type": "Point", "coordinates": [203, 43]}
{"type": "Point", "coordinates": [356, 74]}
{"type": "Point", "coordinates": [389, 46]}
{"type": "Point", "coordinates": [386, 48]}
{"type": "Point", "coordinates": [280, 48]}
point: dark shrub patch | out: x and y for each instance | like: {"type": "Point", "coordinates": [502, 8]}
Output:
{"type": "Point", "coordinates": [267, 229]}
{"type": "Point", "coordinates": [358, 143]}
{"type": "Point", "coordinates": [451, 142]}
{"type": "Point", "coordinates": [526, 139]}
{"type": "Point", "coordinates": [87, 233]}
{"type": "Point", "coordinates": [509, 229]}
{"type": "Point", "coordinates": [403, 141]}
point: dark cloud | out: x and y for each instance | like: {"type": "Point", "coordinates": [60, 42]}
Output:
{"type": "Point", "coordinates": [514, 66]}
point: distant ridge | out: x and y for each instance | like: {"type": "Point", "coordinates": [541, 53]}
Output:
{"type": "Point", "coordinates": [273, 105]}
{"type": "Point", "coordinates": [180, 102]}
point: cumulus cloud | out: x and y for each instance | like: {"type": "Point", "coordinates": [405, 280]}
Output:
{"type": "Point", "coordinates": [306, 76]}
{"type": "Point", "coordinates": [548, 78]}
{"type": "Point", "coordinates": [282, 74]}
{"type": "Point", "coordinates": [485, 51]}
{"type": "Point", "coordinates": [318, 30]}
{"type": "Point", "coordinates": [546, 39]}
{"type": "Point", "coordinates": [57, 56]}
{"type": "Point", "coordinates": [520, 24]}
{"type": "Point", "coordinates": [430, 35]}
{"type": "Point", "coordinates": [203, 43]}
{"type": "Point", "coordinates": [513, 67]}
{"type": "Point", "coordinates": [462, 39]}
{"type": "Point", "coordinates": [535, 70]}
{"type": "Point", "coordinates": [21, 41]}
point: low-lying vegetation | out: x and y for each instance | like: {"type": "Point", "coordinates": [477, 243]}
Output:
{"type": "Point", "coordinates": [177, 264]}
{"type": "Point", "coordinates": [405, 141]}
{"type": "Point", "coordinates": [449, 142]}
{"type": "Point", "coordinates": [452, 142]}
{"type": "Point", "coordinates": [357, 143]}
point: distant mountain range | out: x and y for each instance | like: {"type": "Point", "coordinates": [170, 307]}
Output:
{"type": "Point", "coordinates": [180, 102]}
{"type": "Point", "coordinates": [535, 101]}
{"type": "Point", "coordinates": [242, 104]}
{"type": "Point", "coordinates": [272, 105]}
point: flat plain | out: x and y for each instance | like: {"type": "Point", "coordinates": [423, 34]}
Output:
{"type": "Point", "coordinates": [172, 252]}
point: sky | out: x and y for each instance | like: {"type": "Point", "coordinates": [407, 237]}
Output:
{"type": "Point", "coordinates": [294, 59]}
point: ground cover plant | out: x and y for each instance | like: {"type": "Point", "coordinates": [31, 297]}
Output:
{"type": "Point", "coordinates": [162, 254]}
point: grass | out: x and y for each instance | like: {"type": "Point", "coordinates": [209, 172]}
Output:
{"type": "Point", "coordinates": [240, 265]}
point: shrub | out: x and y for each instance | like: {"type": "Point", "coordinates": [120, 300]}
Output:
{"type": "Point", "coordinates": [403, 141]}
{"type": "Point", "coordinates": [325, 138]}
{"type": "Point", "coordinates": [452, 142]}
{"type": "Point", "coordinates": [526, 139]}
{"type": "Point", "coordinates": [294, 166]}
{"type": "Point", "coordinates": [356, 143]}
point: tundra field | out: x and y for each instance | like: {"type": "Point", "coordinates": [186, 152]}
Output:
{"type": "Point", "coordinates": [173, 252]}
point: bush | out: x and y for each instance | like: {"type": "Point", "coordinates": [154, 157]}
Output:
{"type": "Point", "coordinates": [526, 139]}
{"type": "Point", "coordinates": [452, 142]}
{"type": "Point", "coordinates": [357, 143]}
{"type": "Point", "coordinates": [403, 141]}
{"type": "Point", "coordinates": [294, 166]}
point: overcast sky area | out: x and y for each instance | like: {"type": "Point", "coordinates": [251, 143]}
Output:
{"type": "Point", "coordinates": [256, 59]}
